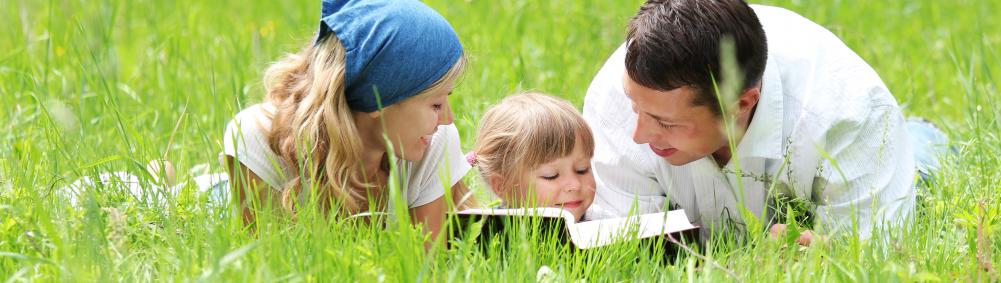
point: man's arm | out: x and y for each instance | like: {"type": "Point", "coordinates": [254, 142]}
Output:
{"type": "Point", "coordinates": [622, 170]}
{"type": "Point", "coordinates": [867, 182]}
{"type": "Point", "coordinates": [621, 185]}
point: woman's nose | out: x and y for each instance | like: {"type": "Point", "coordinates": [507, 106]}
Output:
{"type": "Point", "coordinates": [445, 117]}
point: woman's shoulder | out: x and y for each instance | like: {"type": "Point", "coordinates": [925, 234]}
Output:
{"type": "Point", "coordinates": [246, 140]}
{"type": "Point", "coordinates": [261, 111]}
{"type": "Point", "coordinates": [446, 133]}
{"type": "Point", "coordinates": [251, 121]}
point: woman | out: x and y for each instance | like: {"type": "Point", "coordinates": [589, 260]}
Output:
{"type": "Point", "coordinates": [378, 71]}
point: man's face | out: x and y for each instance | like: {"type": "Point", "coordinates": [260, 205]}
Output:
{"type": "Point", "coordinates": [676, 130]}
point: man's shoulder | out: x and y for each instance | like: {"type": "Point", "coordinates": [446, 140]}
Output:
{"type": "Point", "coordinates": [772, 17]}
{"type": "Point", "coordinates": [605, 103]}
{"type": "Point", "coordinates": [823, 81]}
{"type": "Point", "coordinates": [773, 12]}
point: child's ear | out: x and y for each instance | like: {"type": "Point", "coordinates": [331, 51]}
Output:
{"type": "Point", "coordinates": [497, 186]}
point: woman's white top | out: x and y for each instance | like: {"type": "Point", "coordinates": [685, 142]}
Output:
{"type": "Point", "coordinates": [443, 164]}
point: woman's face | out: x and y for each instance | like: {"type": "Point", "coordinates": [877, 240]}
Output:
{"type": "Point", "coordinates": [411, 123]}
{"type": "Point", "coordinates": [565, 183]}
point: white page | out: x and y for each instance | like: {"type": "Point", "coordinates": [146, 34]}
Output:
{"type": "Point", "coordinates": [602, 232]}
{"type": "Point", "coordinates": [551, 212]}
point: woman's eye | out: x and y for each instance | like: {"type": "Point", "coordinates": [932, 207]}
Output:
{"type": "Point", "coordinates": [583, 171]}
{"type": "Point", "coordinates": [551, 177]}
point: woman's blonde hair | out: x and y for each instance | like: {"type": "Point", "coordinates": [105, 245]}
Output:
{"type": "Point", "coordinates": [525, 131]}
{"type": "Point", "coordinates": [313, 130]}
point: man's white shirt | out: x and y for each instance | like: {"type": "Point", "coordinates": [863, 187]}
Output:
{"type": "Point", "coordinates": [826, 131]}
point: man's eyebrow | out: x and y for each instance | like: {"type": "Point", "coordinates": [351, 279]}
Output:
{"type": "Point", "coordinates": [658, 118]}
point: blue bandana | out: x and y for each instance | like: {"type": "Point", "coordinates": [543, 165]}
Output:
{"type": "Point", "coordinates": [394, 48]}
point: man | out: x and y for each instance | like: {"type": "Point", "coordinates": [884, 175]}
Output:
{"type": "Point", "coordinates": [813, 124]}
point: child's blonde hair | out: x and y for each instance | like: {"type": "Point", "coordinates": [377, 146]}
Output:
{"type": "Point", "coordinates": [525, 131]}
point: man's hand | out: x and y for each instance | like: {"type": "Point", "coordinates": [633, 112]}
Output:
{"type": "Point", "coordinates": [805, 238]}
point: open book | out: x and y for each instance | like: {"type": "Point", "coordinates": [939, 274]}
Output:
{"type": "Point", "coordinates": [586, 234]}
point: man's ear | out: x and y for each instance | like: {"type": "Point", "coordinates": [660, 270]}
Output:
{"type": "Point", "coordinates": [748, 99]}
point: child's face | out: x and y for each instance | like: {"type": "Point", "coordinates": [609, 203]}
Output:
{"type": "Point", "coordinates": [565, 183]}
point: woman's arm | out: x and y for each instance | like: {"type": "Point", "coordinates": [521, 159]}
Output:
{"type": "Point", "coordinates": [463, 198]}
{"type": "Point", "coordinates": [244, 182]}
{"type": "Point", "coordinates": [430, 216]}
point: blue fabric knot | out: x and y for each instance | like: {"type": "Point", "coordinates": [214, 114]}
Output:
{"type": "Point", "coordinates": [393, 48]}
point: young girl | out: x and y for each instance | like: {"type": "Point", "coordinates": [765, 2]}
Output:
{"type": "Point", "coordinates": [535, 150]}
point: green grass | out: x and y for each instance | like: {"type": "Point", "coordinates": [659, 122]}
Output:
{"type": "Point", "coordinates": [97, 86]}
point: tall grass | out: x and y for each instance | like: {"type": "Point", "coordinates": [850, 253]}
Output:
{"type": "Point", "coordinates": [99, 86]}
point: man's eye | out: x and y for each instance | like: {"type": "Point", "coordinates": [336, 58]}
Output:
{"type": "Point", "coordinates": [436, 106]}
{"type": "Point", "coordinates": [665, 126]}
{"type": "Point", "coordinates": [551, 177]}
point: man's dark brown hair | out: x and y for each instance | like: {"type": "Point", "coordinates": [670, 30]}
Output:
{"type": "Point", "coordinates": [675, 43]}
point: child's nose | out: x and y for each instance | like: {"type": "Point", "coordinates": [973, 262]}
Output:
{"type": "Point", "coordinates": [573, 184]}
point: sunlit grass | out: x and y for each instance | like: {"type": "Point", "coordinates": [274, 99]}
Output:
{"type": "Point", "coordinates": [99, 86]}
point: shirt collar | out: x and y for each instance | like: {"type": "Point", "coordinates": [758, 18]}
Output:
{"type": "Point", "coordinates": [763, 138]}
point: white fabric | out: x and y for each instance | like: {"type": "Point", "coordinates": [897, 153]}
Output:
{"type": "Point", "coordinates": [818, 99]}
{"type": "Point", "coordinates": [145, 190]}
{"type": "Point", "coordinates": [246, 140]}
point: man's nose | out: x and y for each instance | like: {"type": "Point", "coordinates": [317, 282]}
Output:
{"type": "Point", "coordinates": [640, 133]}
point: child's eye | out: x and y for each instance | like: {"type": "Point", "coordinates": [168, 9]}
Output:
{"type": "Point", "coordinates": [551, 177]}
{"type": "Point", "coordinates": [583, 171]}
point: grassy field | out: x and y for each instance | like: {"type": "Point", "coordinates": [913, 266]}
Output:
{"type": "Point", "coordinates": [98, 86]}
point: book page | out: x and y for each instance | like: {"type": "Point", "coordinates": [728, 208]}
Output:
{"type": "Point", "coordinates": [553, 212]}
{"type": "Point", "coordinates": [602, 232]}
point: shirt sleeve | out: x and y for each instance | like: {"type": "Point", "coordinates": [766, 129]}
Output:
{"type": "Point", "coordinates": [443, 165]}
{"type": "Point", "coordinates": [245, 139]}
{"type": "Point", "coordinates": [622, 169]}
{"type": "Point", "coordinates": [867, 176]}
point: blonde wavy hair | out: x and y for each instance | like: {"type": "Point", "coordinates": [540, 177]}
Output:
{"type": "Point", "coordinates": [527, 130]}
{"type": "Point", "coordinates": [313, 130]}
